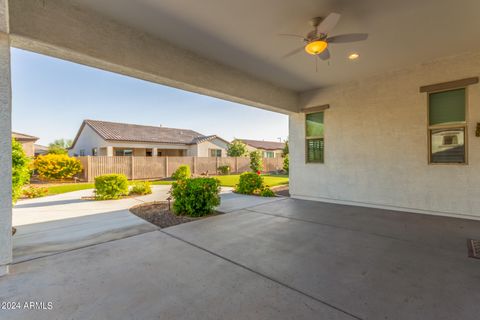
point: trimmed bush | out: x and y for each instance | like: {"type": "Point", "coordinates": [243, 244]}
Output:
{"type": "Point", "coordinates": [57, 166]}
{"type": "Point", "coordinates": [266, 192]}
{"type": "Point", "coordinates": [20, 170]}
{"type": "Point", "coordinates": [34, 192]}
{"type": "Point", "coordinates": [224, 169]}
{"type": "Point", "coordinates": [140, 188]}
{"type": "Point", "coordinates": [256, 163]}
{"type": "Point", "coordinates": [183, 172]}
{"type": "Point", "coordinates": [111, 186]}
{"type": "Point", "coordinates": [286, 164]}
{"type": "Point", "coordinates": [249, 183]}
{"type": "Point", "coordinates": [195, 197]}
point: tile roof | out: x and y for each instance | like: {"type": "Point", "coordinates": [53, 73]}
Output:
{"type": "Point", "coordinates": [23, 137]}
{"type": "Point", "coordinates": [114, 131]}
{"type": "Point", "coordinates": [265, 145]}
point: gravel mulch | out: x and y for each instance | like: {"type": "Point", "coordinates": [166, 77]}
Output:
{"type": "Point", "coordinates": [158, 214]}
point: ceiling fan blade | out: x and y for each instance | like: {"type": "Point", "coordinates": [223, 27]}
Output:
{"type": "Point", "coordinates": [345, 38]}
{"type": "Point", "coordinates": [324, 55]}
{"type": "Point", "coordinates": [328, 23]}
{"type": "Point", "coordinates": [290, 35]}
{"type": "Point", "coordinates": [291, 53]}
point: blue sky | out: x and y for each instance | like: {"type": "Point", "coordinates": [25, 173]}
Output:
{"type": "Point", "coordinates": [51, 97]}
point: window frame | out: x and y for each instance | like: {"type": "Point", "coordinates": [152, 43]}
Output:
{"type": "Point", "coordinates": [455, 125]}
{"type": "Point", "coordinates": [307, 138]}
{"type": "Point", "coordinates": [216, 152]}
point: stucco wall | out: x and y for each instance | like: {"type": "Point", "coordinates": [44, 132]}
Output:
{"type": "Point", "coordinates": [28, 147]}
{"type": "Point", "coordinates": [204, 147]}
{"type": "Point", "coordinates": [87, 140]}
{"type": "Point", "coordinates": [376, 144]}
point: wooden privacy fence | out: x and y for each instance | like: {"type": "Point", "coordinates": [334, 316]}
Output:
{"type": "Point", "coordinates": [143, 168]}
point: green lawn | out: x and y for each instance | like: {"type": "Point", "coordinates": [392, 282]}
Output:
{"type": "Point", "coordinates": [270, 180]}
{"type": "Point", "coordinates": [225, 181]}
{"type": "Point", "coordinates": [68, 187]}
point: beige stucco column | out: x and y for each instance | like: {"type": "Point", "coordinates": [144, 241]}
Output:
{"type": "Point", "coordinates": [154, 152]}
{"type": "Point", "coordinates": [5, 145]}
{"type": "Point", "coordinates": [109, 151]}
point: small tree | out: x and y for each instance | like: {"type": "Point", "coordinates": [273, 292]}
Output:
{"type": "Point", "coordinates": [256, 161]}
{"type": "Point", "coordinates": [20, 170]}
{"type": "Point", "coordinates": [237, 149]}
{"type": "Point", "coordinates": [285, 150]}
{"type": "Point", "coordinates": [59, 146]}
{"type": "Point", "coordinates": [286, 164]}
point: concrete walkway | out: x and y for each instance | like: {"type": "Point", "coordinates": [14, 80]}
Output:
{"type": "Point", "coordinates": [66, 221]}
{"type": "Point", "coordinates": [287, 259]}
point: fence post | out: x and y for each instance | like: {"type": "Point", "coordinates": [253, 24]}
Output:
{"type": "Point", "coordinates": [166, 167]}
{"type": "Point", "coordinates": [89, 169]}
{"type": "Point", "coordinates": [236, 165]}
{"type": "Point", "coordinates": [133, 168]}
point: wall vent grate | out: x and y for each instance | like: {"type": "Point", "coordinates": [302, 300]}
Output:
{"type": "Point", "coordinates": [473, 248]}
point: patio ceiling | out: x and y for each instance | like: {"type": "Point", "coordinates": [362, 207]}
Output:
{"type": "Point", "coordinates": [243, 34]}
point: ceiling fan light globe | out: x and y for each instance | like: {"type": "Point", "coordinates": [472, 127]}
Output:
{"type": "Point", "coordinates": [316, 47]}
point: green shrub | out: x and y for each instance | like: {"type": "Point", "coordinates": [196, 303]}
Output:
{"type": "Point", "coordinates": [195, 197]}
{"type": "Point", "coordinates": [249, 183]}
{"type": "Point", "coordinates": [183, 172]}
{"type": "Point", "coordinates": [111, 186]}
{"type": "Point", "coordinates": [140, 188]}
{"type": "Point", "coordinates": [34, 192]}
{"type": "Point", "coordinates": [57, 166]}
{"type": "Point", "coordinates": [224, 169]}
{"type": "Point", "coordinates": [20, 170]}
{"type": "Point", "coordinates": [286, 164]}
{"type": "Point", "coordinates": [266, 192]}
{"type": "Point", "coordinates": [256, 161]}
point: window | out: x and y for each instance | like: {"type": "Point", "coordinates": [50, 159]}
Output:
{"type": "Point", "coordinates": [315, 143]}
{"type": "Point", "coordinates": [447, 126]}
{"type": "Point", "coordinates": [269, 154]}
{"type": "Point", "coordinates": [94, 152]}
{"type": "Point", "coordinates": [215, 152]}
{"type": "Point", "coordinates": [82, 152]}
{"type": "Point", "coordinates": [123, 152]}
{"type": "Point", "coordinates": [148, 152]}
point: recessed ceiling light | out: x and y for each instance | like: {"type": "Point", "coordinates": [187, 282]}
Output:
{"type": "Point", "coordinates": [353, 56]}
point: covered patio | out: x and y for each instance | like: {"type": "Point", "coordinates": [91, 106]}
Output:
{"type": "Point", "coordinates": [383, 138]}
{"type": "Point", "coordinates": [287, 259]}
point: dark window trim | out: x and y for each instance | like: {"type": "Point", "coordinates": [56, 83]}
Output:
{"type": "Point", "coordinates": [445, 86]}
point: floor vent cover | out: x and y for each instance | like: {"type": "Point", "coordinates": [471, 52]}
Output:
{"type": "Point", "coordinates": [473, 248]}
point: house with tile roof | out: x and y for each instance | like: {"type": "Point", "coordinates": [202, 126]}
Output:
{"type": "Point", "coordinates": [27, 141]}
{"type": "Point", "coordinates": [269, 149]}
{"type": "Point", "coordinates": [102, 138]}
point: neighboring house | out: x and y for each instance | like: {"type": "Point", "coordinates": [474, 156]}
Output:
{"type": "Point", "coordinates": [27, 142]}
{"type": "Point", "coordinates": [269, 149]}
{"type": "Point", "coordinates": [40, 150]}
{"type": "Point", "coordinates": [102, 138]}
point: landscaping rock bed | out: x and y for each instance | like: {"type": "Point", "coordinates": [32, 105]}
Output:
{"type": "Point", "coordinates": [159, 214]}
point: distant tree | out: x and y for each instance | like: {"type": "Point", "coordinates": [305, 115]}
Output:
{"type": "Point", "coordinates": [256, 163]}
{"type": "Point", "coordinates": [237, 149]}
{"type": "Point", "coordinates": [285, 149]}
{"type": "Point", "coordinates": [59, 146]}
{"type": "Point", "coordinates": [20, 170]}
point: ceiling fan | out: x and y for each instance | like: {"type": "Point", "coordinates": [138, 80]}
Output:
{"type": "Point", "coordinates": [317, 41]}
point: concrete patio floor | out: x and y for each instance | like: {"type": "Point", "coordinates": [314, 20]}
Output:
{"type": "Point", "coordinates": [288, 259]}
{"type": "Point", "coordinates": [66, 221]}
